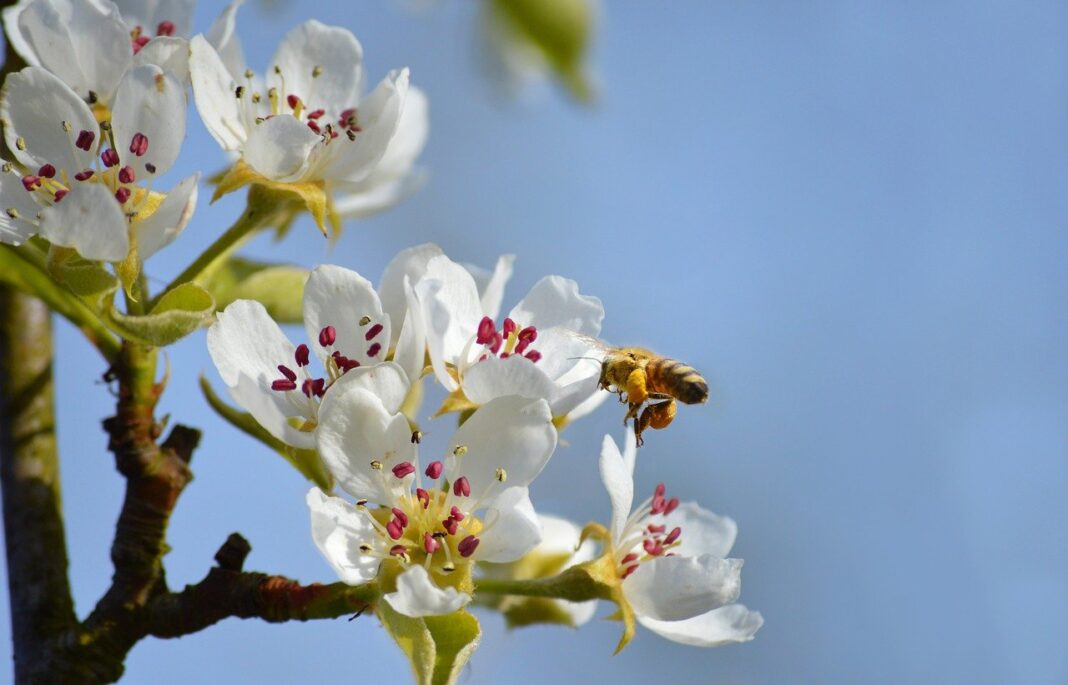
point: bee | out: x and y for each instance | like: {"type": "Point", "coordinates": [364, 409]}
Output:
{"type": "Point", "coordinates": [643, 378]}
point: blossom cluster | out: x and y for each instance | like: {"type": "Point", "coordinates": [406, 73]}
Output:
{"type": "Point", "coordinates": [99, 114]}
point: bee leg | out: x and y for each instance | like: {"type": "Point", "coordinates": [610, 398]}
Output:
{"type": "Point", "coordinates": [655, 416]}
{"type": "Point", "coordinates": [632, 413]}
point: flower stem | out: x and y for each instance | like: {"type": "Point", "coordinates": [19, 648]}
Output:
{"type": "Point", "coordinates": [261, 208]}
{"type": "Point", "coordinates": [574, 585]}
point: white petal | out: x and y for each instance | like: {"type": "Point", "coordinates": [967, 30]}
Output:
{"type": "Point", "coordinates": [152, 103]}
{"type": "Point", "coordinates": [376, 193]}
{"type": "Point", "coordinates": [386, 381]}
{"type": "Point", "coordinates": [492, 291]}
{"type": "Point", "coordinates": [379, 114]}
{"type": "Point", "coordinates": [410, 263]}
{"type": "Point", "coordinates": [90, 220]}
{"type": "Point", "coordinates": [565, 356]}
{"type": "Point", "coordinates": [34, 104]}
{"type": "Point", "coordinates": [702, 531]}
{"type": "Point", "coordinates": [355, 430]}
{"type": "Point", "coordinates": [418, 596]}
{"type": "Point", "coordinates": [435, 317]}
{"type": "Point", "coordinates": [573, 395]}
{"type": "Point", "coordinates": [169, 220]}
{"type": "Point", "coordinates": [170, 53]}
{"type": "Point", "coordinates": [213, 91]}
{"type": "Point", "coordinates": [410, 352]}
{"type": "Point", "coordinates": [677, 588]}
{"type": "Point", "coordinates": [495, 377]}
{"type": "Point", "coordinates": [588, 406]}
{"type": "Point", "coordinates": [14, 32]}
{"type": "Point", "coordinates": [278, 148]}
{"type": "Point", "coordinates": [338, 297]}
{"type": "Point", "coordinates": [16, 230]}
{"type": "Point", "coordinates": [223, 37]}
{"type": "Point", "coordinates": [247, 346]}
{"type": "Point", "coordinates": [338, 530]}
{"type": "Point", "coordinates": [512, 527]}
{"type": "Point", "coordinates": [455, 304]}
{"type": "Point", "coordinates": [86, 44]}
{"type": "Point", "coordinates": [556, 301]}
{"type": "Point", "coordinates": [337, 55]}
{"type": "Point", "coordinates": [618, 479]}
{"type": "Point", "coordinates": [410, 137]}
{"type": "Point", "coordinates": [149, 14]}
{"type": "Point", "coordinates": [723, 626]}
{"type": "Point", "coordinates": [510, 433]}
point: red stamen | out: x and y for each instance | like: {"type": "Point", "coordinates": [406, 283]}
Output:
{"type": "Point", "coordinates": [629, 570]}
{"type": "Point", "coordinates": [84, 175]}
{"type": "Point", "coordinates": [122, 195]}
{"type": "Point", "coordinates": [398, 550]}
{"type": "Point", "coordinates": [327, 336]}
{"type": "Point", "coordinates": [660, 490]}
{"type": "Point", "coordinates": [61, 193]}
{"type": "Point", "coordinates": [434, 469]}
{"type": "Point", "coordinates": [430, 545]}
{"type": "Point", "coordinates": [423, 496]}
{"type": "Point", "coordinates": [450, 525]}
{"type": "Point", "coordinates": [653, 548]}
{"type": "Point", "coordinates": [302, 355]}
{"type": "Point", "coordinates": [509, 327]}
{"type": "Point", "coordinates": [496, 342]}
{"type": "Point", "coordinates": [403, 469]}
{"type": "Point", "coordinates": [319, 387]}
{"type": "Point", "coordinates": [394, 530]}
{"type": "Point", "coordinates": [48, 171]}
{"type": "Point", "coordinates": [85, 140]}
{"type": "Point", "coordinates": [139, 42]}
{"type": "Point", "coordinates": [308, 387]}
{"type": "Point", "coordinates": [139, 144]}
{"type": "Point", "coordinates": [372, 331]}
{"type": "Point", "coordinates": [109, 157]}
{"type": "Point", "coordinates": [462, 487]}
{"type": "Point", "coordinates": [283, 384]}
{"type": "Point", "coordinates": [673, 535]}
{"type": "Point", "coordinates": [655, 529]}
{"type": "Point", "coordinates": [528, 335]}
{"type": "Point", "coordinates": [533, 356]}
{"type": "Point", "coordinates": [486, 331]}
{"type": "Point", "coordinates": [31, 182]}
{"type": "Point", "coordinates": [401, 516]}
{"type": "Point", "coordinates": [165, 28]}
{"type": "Point", "coordinates": [287, 372]}
{"type": "Point", "coordinates": [315, 114]}
{"type": "Point", "coordinates": [672, 504]}
{"type": "Point", "coordinates": [467, 546]}
{"type": "Point", "coordinates": [632, 557]}
{"type": "Point", "coordinates": [315, 127]}
{"type": "Point", "coordinates": [374, 349]}
{"type": "Point", "coordinates": [292, 100]}
{"type": "Point", "coordinates": [126, 175]}
{"type": "Point", "coordinates": [456, 513]}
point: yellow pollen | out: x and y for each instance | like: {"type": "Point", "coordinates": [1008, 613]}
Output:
{"type": "Point", "coordinates": [501, 475]}
{"type": "Point", "coordinates": [459, 450]}
{"type": "Point", "coordinates": [364, 320]}
{"type": "Point", "coordinates": [376, 465]}
{"type": "Point", "coordinates": [317, 71]}
{"type": "Point", "coordinates": [20, 143]}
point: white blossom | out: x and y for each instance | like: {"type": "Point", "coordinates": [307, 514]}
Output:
{"type": "Point", "coordinates": [401, 513]}
{"type": "Point", "coordinates": [89, 187]}
{"type": "Point", "coordinates": [672, 559]}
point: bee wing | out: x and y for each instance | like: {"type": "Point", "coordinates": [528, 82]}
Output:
{"type": "Point", "coordinates": [598, 346]}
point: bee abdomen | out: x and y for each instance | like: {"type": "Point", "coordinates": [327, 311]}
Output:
{"type": "Point", "coordinates": [672, 377]}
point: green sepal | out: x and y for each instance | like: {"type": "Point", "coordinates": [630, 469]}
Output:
{"type": "Point", "coordinates": [306, 462]}
{"type": "Point", "coordinates": [178, 313]}
{"type": "Point", "coordinates": [438, 647]}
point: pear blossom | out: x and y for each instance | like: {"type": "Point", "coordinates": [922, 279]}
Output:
{"type": "Point", "coordinates": [90, 44]}
{"type": "Point", "coordinates": [671, 559]}
{"type": "Point", "coordinates": [307, 130]}
{"type": "Point", "coordinates": [274, 380]}
{"type": "Point", "coordinates": [542, 348]}
{"type": "Point", "coordinates": [88, 186]}
{"type": "Point", "coordinates": [431, 535]}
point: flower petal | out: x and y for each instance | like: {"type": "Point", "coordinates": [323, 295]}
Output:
{"type": "Point", "coordinates": [492, 287]}
{"type": "Point", "coordinates": [556, 301]}
{"type": "Point", "coordinates": [618, 479]}
{"type": "Point", "coordinates": [333, 52]}
{"type": "Point", "coordinates": [677, 588]}
{"type": "Point", "coordinates": [149, 14]}
{"type": "Point", "coordinates": [14, 33]}
{"type": "Point", "coordinates": [152, 103]}
{"type": "Point", "coordinates": [410, 352]}
{"type": "Point", "coordinates": [353, 160]}
{"type": "Point", "coordinates": [278, 148]}
{"type": "Point", "coordinates": [410, 263]}
{"type": "Point", "coordinates": [90, 220]}
{"type": "Point", "coordinates": [338, 530]}
{"type": "Point", "coordinates": [723, 626]}
{"type": "Point", "coordinates": [495, 377]}
{"type": "Point", "coordinates": [170, 53]}
{"type": "Point", "coordinates": [247, 346]}
{"type": "Point", "coordinates": [213, 92]}
{"type": "Point", "coordinates": [338, 297]}
{"type": "Point", "coordinates": [702, 531]}
{"type": "Point", "coordinates": [223, 37]}
{"type": "Point", "coordinates": [15, 230]}
{"type": "Point", "coordinates": [456, 304]}
{"type": "Point", "coordinates": [386, 381]}
{"type": "Point", "coordinates": [512, 527]}
{"type": "Point", "coordinates": [33, 106]}
{"type": "Point", "coordinates": [376, 193]}
{"type": "Point", "coordinates": [168, 221]}
{"type": "Point", "coordinates": [85, 44]}
{"type": "Point", "coordinates": [510, 433]}
{"type": "Point", "coordinates": [355, 431]}
{"type": "Point", "coordinates": [418, 596]}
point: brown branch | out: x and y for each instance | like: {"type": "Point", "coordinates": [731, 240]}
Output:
{"type": "Point", "coordinates": [41, 606]}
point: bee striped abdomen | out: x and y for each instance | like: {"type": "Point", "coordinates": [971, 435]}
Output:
{"type": "Point", "coordinates": [672, 377]}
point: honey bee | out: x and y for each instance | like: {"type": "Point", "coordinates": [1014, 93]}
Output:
{"type": "Point", "coordinates": [643, 378]}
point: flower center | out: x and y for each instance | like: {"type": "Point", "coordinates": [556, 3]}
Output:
{"type": "Point", "coordinates": [302, 106]}
{"type": "Point", "coordinates": [311, 387]}
{"type": "Point", "coordinates": [49, 185]}
{"type": "Point", "coordinates": [643, 537]}
{"type": "Point", "coordinates": [139, 38]}
{"type": "Point", "coordinates": [509, 340]}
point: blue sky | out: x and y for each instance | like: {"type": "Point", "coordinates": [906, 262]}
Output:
{"type": "Point", "coordinates": [849, 215]}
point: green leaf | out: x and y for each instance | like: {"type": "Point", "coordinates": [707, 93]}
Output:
{"type": "Point", "coordinates": [528, 611]}
{"type": "Point", "coordinates": [438, 647]}
{"type": "Point", "coordinates": [177, 314]}
{"type": "Point", "coordinates": [307, 462]}
{"type": "Point", "coordinates": [559, 30]}
{"type": "Point", "coordinates": [280, 288]}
